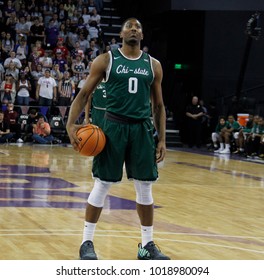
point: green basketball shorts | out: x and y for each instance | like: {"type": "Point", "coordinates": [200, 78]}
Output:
{"type": "Point", "coordinates": [129, 143]}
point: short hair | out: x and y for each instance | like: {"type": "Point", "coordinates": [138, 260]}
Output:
{"type": "Point", "coordinates": [129, 19]}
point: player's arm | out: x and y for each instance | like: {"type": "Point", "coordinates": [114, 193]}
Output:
{"type": "Point", "coordinates": [97, 73]}
{"type": "Point", "coordinates": [158, 110]}
{"type": "Point", "coordinates": [87, 110]}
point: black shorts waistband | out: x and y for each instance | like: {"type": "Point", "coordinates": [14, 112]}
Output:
{"type": "Point", "coordinates": [120, 119]}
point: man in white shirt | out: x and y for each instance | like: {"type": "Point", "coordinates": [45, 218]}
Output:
{"type": "Point", "coordinates": [46, 90]}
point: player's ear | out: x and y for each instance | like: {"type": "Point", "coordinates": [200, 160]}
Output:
{"type": "Point", "coordinates": [120, 35]}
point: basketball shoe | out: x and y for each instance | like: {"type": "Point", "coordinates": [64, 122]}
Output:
{"type": "Point", "coordinates": [87, 251]}
{"type": "Point", "coordinates": [150, 252]}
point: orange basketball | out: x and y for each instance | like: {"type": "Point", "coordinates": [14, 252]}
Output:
{"type": "Point", "coordinates": [92, 140]}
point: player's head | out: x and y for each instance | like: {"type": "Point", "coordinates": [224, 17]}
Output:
{"type": "Point", "coordinates": [131, 31]}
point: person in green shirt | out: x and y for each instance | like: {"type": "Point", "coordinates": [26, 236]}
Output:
{"type": "Point", "coordinates": [229, 132]}
{"type": "Point", "coordinates": [132, 79]}
{"type": "Point", "coordinates": [216, 136]}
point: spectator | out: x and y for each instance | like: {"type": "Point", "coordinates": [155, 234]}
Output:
{"type": "Point", "coordinates": [194, 113]}
{"type": "Point", "coordinates": [46, 90]}
{"type": "Point", "coordinates": [36, 75]}
{"type": "Point", "coordinates": [243, 134]}
{"type": "Point", "coordinates": [66, 90]}
{"type": "Point", "coordinates": [77, 68]}
{"type": "Point", "coordinates": [59, 60]}
{"type": "Point", "coordinates": [52, 33]}
{"type": "Point", "coordinates": [33, 59]}
{"type": "Point", "coordinates": [22, 28]}
{"type": "Point", "coordinates": [21, 49]}
{"type": "Point", "coordinates": [229, 133]}
{"type": "Point", "coordinates": [60, 48]}
{"type": "Point", "coordinates": [8, 89]}
{"type": "Point", "coordinates": [81, 82]}
{"type": "Point", "coordinates": [92, 52]}
{"type": "Point", "coordinates": [69, 7]}
{"type": "Point", "coordinates": [42, 132]}
{"type": "Point", "coordinates": [37, 32]}
{"type": "Point", "coordinates": [46, 61]}
{"type": "Point", "coordinates": [12, 70]}
{"type": "Point", "coordinates": [11, 118]}
{"type": "Point", "coordinates": [23, 90]}
{"type": "Point", "coordinates": [216, 136]}
{"type": "Point", "coordinates": [145, 49]}
{"type": "Point", "coordinates": [5, 134]}
{"type": "Point", "coordinates": [95, 17]}
{"type": "Point", "coordinates": [253, 145]}
{"type": "Point", "coordinates": [113, 44]}
{"type": "Point", "coordinates": [12, 59]}
{"type": "Point", "coordinates": [56, 73]}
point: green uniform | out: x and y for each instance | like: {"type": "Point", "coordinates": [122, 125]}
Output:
{"type": "Point", "coordinates": [127, 125]}
{"type": "Point", "coordinates": [98, 105]}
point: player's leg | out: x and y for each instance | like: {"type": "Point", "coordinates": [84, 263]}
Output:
{"type": "Point", "coordinates": [141, 166]}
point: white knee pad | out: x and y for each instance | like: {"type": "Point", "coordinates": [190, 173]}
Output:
{"type": "Point", "coordinates": [236, 135]}
{"type": "Point", "coordinates": [215, 137]}
{"type": "Point", "coordinates": [143, 192]}
{"type": "Point", "coordinates": [98, 193]}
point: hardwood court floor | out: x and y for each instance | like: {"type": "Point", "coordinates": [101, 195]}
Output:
{"type": "Point", "coordinates": [208, 207]}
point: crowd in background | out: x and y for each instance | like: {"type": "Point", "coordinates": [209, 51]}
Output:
{"type": "Point", "coordinates": [46, 50]}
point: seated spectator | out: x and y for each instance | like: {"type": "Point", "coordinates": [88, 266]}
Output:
{"type": "Point", "coordinates": [11, 118]}
{"type": "Point", "coordinates": [42, 132]}
{"type": "Point", "coordinates": [216, 136]}
{"type": "Point", "coordinates": [32, 119]}
{"type": "Point", "coordinates": [5, 134]}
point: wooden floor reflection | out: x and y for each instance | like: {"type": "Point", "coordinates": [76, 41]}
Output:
{"type": "Point", "coordinates": [208, 207]}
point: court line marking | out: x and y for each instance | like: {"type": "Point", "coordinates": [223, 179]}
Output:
{"type": "Point", "coordinates": [67, 232]}
{"type": "Point", "coordinates": [163, 239]}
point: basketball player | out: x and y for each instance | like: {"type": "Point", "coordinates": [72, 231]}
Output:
{"type": "Point", "coordinates": [132, 79]}
{"type": "Point", "coordinates": [97, 105]}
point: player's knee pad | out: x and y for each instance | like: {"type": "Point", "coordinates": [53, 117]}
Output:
{"type": "Point", "coordinates": [236, 135]}
{"type": "Point", "coordinates": [143, 192]}
{"type": "Point", "coordinates": [98, 193]}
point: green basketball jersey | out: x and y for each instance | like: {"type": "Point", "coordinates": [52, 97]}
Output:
{"type": "Point", "coordinates": [99, 97]}
{"type": "Point", "coordinates": [128, 84]}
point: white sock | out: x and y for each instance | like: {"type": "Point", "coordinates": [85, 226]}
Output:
{"type": "Point", "coordinates": [221, 146]}
{"type": "Point", "coordinates": [88, 231]}
{"type": "Point", "coordinates": [146, 234]}
{"type": "Point", "coordinates": [227, 146]}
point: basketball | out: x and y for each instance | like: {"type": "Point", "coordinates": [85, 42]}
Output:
{"type": "Point", "coordinates": [92, 140]}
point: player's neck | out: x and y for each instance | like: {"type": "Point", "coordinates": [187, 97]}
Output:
{"type": "Point", "coordinates": [131, 51]}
